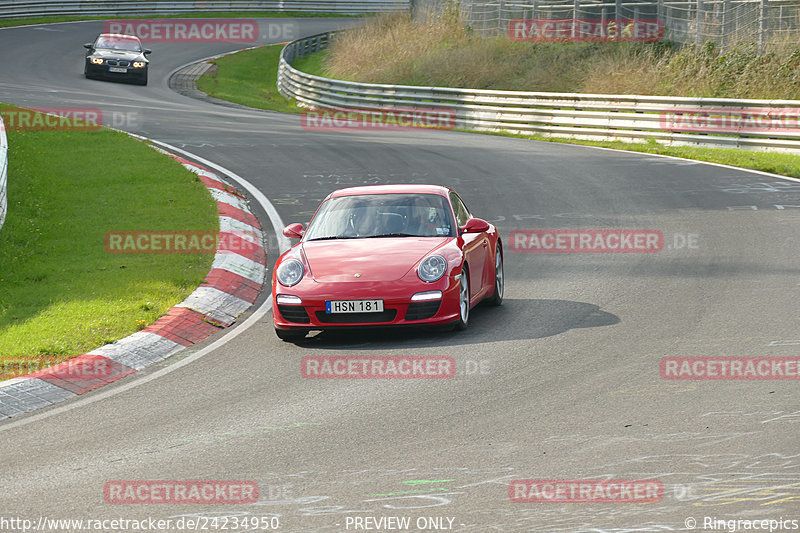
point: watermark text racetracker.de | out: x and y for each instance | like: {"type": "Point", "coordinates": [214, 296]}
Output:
{"type": "Point", "coordinates": [377, 119]}
{"type": "Point", "coordinates": [377, 367]}
{"type": "Point", "coordinates": [67, 119]}
{"type": "Point", "coordinates": [587, 241]}
{"type": "Point", "coordinates": [599, 241]}
{"type": "Point", "coordinates": [180, 492]}
{"type": "Point", "coordinates": [199, 523]}
{"type": "Point", "coordinates": [87, 367]}
{"type": "Point", "coordinates": [391, 367]}
{"type": "Point", "coordinates": [586, 29]}
{"type": "Point", "coordinates": [205, 30]}
{"type": "Point", "coordinates": [179, 242]}
{"type": "Point", "coordinates": [12, 367]}
{"type": "Point", "coordinates": [722, 120]}
{"type": "Point", "coordinates": [586, 491]}
{"type": "Point", "coordinates": [730, 368]}
{"type": "Point", "coordinates": [187, 30]}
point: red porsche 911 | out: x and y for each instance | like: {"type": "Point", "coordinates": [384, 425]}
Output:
{"type": "Point", "coordinates": [388, 255]}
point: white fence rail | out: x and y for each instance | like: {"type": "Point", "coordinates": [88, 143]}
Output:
{"type": "Point", "coordinates": [3, 173]}
{"type": "Point", "coordinates": [31, 8]}
{"type": "Point", "coordinates": [713, 122]}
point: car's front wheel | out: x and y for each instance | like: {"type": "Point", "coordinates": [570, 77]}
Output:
{"type": "Point", "coordinates": [499, 277]}
{"type": "Point", "coordinates": [289, 335]}
{"type": "Point", "coordinates": [463, 300]}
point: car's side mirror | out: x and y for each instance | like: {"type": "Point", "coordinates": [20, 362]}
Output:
{"type": "Point", "coordinates": [475, 225]}
{"type": "Point", "coordinates": [147, 51]}
{"type": "Point", "coordinates": [293, 231]}
{"type": "Point", "coordinates": [88, 46]}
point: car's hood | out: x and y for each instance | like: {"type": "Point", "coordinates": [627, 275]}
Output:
{"type": "Point", "coordinates": [117, 54]}
{"type": "Point", "coordinates": [376, 259]}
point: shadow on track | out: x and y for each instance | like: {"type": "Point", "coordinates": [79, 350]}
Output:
{"type": "Point", "coordinates": [517, 319]}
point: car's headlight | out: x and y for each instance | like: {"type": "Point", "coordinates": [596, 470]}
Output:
{"type": "Point", "coordinates": [97, 60]}
{"type": "Point", "coordinates": [138, 64]}
{"type": "Point", "coordinates": [432, 268]}
{"type": "Point", "coordinates": [290, 272]}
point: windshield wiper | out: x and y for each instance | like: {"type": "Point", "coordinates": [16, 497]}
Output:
{"type": "Point", "coordinates": [332, 237]}
{"type": "Point", "coordinates": [380, 235]}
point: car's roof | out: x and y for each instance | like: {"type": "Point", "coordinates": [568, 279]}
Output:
{"type": "Point", "coordinates": [407, 188]}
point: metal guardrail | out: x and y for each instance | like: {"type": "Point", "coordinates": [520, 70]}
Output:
{"type": "Point", "coordinates": [713, 122]}
{"type": "Point", "coordinates": [3, 173]}
{"type": "Point", "coordinates": [32, 8]}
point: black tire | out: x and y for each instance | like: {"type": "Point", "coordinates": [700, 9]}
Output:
{"type": "Point", "coordinates": [289, 335]}
{"type": "Point", "coordinates": [463, 301]}
{"type": "Point", "coordinates": [499, 277]}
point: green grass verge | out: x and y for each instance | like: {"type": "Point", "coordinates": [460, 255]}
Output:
{"type": "Point", "coordinates": [7, 23]}
{"type": "Point", "coordinates": [313, 63]}
{"type": "Point", "coordinates": [248, 78]}
{"type": "Point", "coordinates": [61, 293]}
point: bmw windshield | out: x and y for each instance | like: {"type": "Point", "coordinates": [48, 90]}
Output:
{"type": "Point", "coordinates": [118, 43]}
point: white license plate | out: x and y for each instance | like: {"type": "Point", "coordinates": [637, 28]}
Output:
{"type": "Point", "coordinates": [117, 69]}
{"type": "Point", "coordinates": [354, 306]}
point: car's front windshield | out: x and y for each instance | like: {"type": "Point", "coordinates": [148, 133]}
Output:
{"type": "Point", "coordinates": [382, 215]}
{"type": "Point", "coordinates": [118, 43]}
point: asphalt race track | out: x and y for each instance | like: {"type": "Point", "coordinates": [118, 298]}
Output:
{"type": "Point", "coordinates": [562, 382]}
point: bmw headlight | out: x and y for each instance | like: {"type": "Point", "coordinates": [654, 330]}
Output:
{"type": "Point", "coordinates": [432, 268]}
{"type": "Point", "coordinates": [97, 60]}
{"type": "Point", "coordinates": [138, 64]}
{"type": "Point", "coordinates": [290, 272]}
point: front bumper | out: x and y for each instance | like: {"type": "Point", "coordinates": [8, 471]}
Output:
{"type": "Point", "coordinates": [399, 309]}
{"type": "Point", "coordinates": [101, 71]}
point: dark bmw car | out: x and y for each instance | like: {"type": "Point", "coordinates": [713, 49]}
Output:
{"type": "Point", "coordinates": [118, 57]}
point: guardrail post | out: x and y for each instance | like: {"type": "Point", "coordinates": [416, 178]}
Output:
{"type": "Point", "coordinates": [724, 24]}
{"type": "Point", "coordinates": [698, 36]}
{"type": "Point", "coordinates": [762, 26]}
{"type": "Point", "coordinates": [604, 18]}
{"type": "Point", "coordinates": [617, 18]}
{"type": "Point", "coordinates": [574, 18]}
